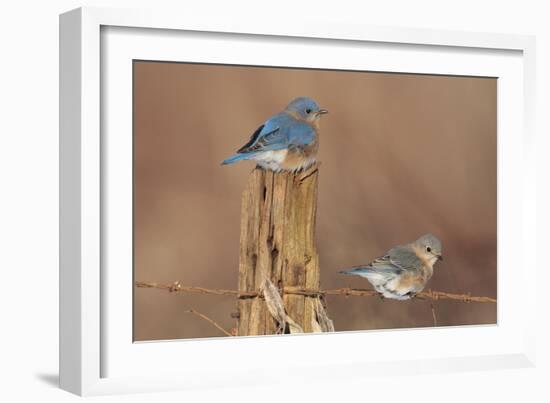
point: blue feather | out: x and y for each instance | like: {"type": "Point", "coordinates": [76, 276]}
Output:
{"type": "Point", "coordinates": [356, 271]}
{"type": "Point", "coordinates": [237, 157]}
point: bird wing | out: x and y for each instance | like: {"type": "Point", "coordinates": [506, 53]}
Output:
{"type": "Point", "coordinates": [405, 258]}
{"type": "Point", "coordinates": [396, 261]}
{"type": "Point", "coordinates": [272, 135]}
{"type": "Point", "coordinates": [252, 140]}
{"type": "Point", "coordinates": [279, 132]}
{"type": "Point", "coordinates": [381, 269]}
{"type": "Point", "coordinates": [385, 264]}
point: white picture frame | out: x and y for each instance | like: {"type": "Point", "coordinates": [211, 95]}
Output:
{"type": "Point", "coordinates": [97, 355]}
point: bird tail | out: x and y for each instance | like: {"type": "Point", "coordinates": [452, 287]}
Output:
{"type": "Point", "coordinates": [354, 271]}
{"type": "Point", "coordinates": [235, 158]}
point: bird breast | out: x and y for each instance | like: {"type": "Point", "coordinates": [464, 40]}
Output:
{"type": "Point", "coordinates": [299, 158]}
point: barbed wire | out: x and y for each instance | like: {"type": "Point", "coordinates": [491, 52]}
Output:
{"type": "Point", "coordinates": [345, 291]}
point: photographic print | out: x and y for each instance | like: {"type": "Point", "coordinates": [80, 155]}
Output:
{"type": "Point", "coordinates": [271, 200]}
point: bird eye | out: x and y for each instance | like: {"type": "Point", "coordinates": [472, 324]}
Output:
{"type": "Point", "coordinates": [429, 249]}
{"type": "Point", "coordinates": [308, 110]}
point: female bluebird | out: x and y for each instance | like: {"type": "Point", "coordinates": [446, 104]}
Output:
{"type": "Point", "coordinates": [288, 141]}
{"type": "Point", "coordinates": [404, 270]}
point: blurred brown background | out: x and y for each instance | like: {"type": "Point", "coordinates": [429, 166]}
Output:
{"type": "Point", "coordinates": [402, 155]}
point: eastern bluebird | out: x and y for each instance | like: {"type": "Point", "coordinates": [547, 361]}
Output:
{"type": "Point", "coordinates": [404, 270]}
{"type": "Point", "coordinates": [288, 141]}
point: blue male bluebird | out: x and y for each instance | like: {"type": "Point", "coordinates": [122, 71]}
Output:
{"type": "Point", "coordinates": [404, 270]}
{"type": "Point", "coordinates": [287, 141]}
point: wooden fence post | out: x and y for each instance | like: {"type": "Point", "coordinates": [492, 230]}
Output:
{"type": "Point", "coordinates": [278, 243]}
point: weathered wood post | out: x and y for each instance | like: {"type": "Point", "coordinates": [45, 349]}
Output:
{"type": "Point", "coordinates": [278, 243]}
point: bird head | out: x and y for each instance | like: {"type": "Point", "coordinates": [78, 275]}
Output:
{"type": "Point", "coordinates": [430, 247]}
{"type": "Point", "coordinates": [305, 108]}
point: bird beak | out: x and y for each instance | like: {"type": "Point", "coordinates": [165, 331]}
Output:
{"type": "Point", "coordinates": [440, 257]}
{"type": "Point", "coordinates": [322, 111]}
